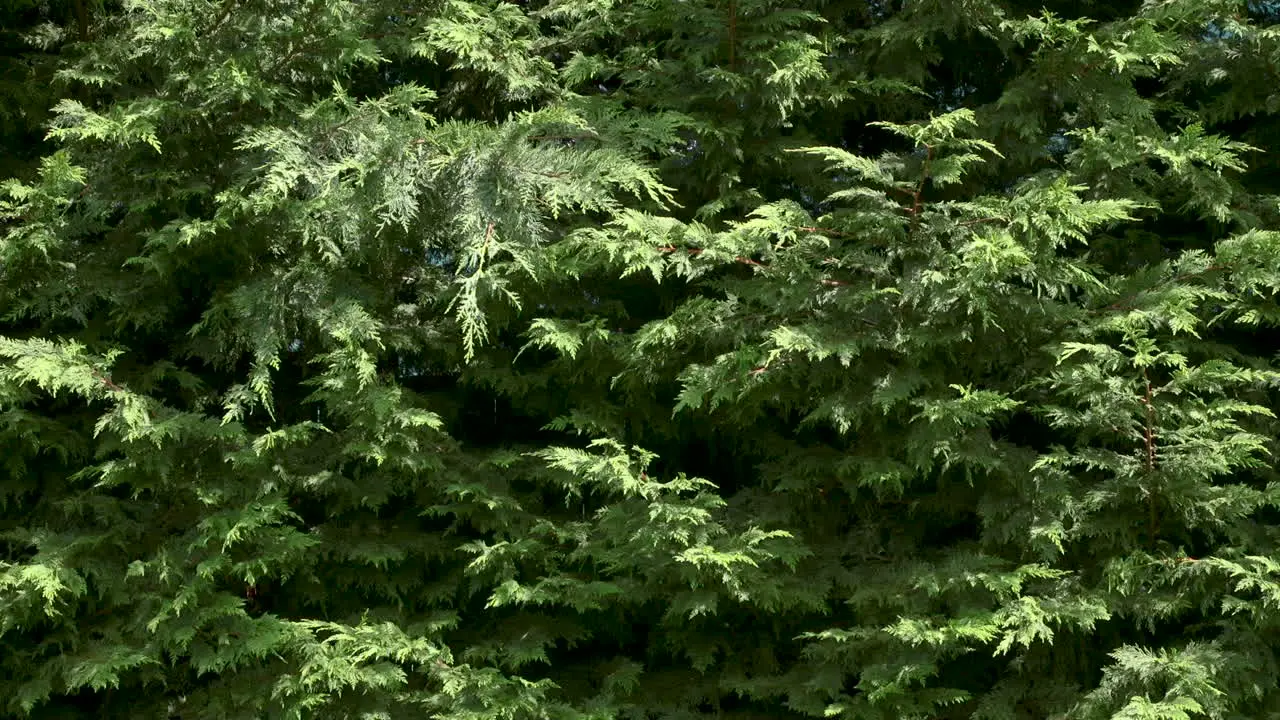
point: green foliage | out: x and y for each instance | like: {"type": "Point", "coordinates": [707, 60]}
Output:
{"type": "Point", "coordinates": [581, 359]}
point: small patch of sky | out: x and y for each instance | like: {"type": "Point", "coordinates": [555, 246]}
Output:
{"type": "Point", "coordinates": [689, 153]}
{"type": "Point", "coordinates": [953, 99]}
{"type": "Point", "coordinates": [1266, 12]}
{"type": "Point", "coordinates": [1058, 144]}
{"type": "Point", "coordinates": [1213, 32]}
{"type": "Point", "coordinates": [440, 258]}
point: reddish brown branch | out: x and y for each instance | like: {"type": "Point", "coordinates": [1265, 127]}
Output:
{"type": "Point", "coordinates": [917, 197]}
{"type": "Point", "coordinates": [733, 33]}
{"type": "Point", "coordinates": [1123, 303]}
{"type": "Point", "coordinates": [823, 231]}
{"type": "Point", "coordinates": [1149, 434]}
{"type": "Point", "coordinates": [1149, 438]}
{"type": "Point", "coordinates": [673, 248]}
{"type": "Point", "coordinates": [582, 136]}
{"type": "Point", "coordinates": [107, 381]}
{"type": "Point", "coordinates": [698, 251]}
{"type": "Point", "coordinates": [966, 223]}
{"type": "Point", "coordinates": [744, 261]}
{"type": "Point", "coordinates": [488, 235]}
{"type": "Point", "coordinates": [224, 12]}
{"type": "Point", "coordinates": [82, 19]}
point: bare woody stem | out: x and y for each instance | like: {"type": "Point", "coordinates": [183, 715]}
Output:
{"type": "Point", "coordinates": [733, 33]}
{"type": "Point", "coordinates": [1149, 441]}
{"type": "Point", "coordinates": [744, 261]}
{"type": "Point", "coordinates": [82, 19]}
{"type": "Point", "coordinates": [917, 197]}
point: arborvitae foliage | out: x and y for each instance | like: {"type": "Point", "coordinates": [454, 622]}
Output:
{"type": "Point", "coordinates": [656, 359]}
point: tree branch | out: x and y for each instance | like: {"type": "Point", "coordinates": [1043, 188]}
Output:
{"type": "Point", "coordinates": [82, 19]}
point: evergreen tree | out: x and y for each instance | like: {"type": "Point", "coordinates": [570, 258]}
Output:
{"type": "Point", "coordinates": [672, 358]}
